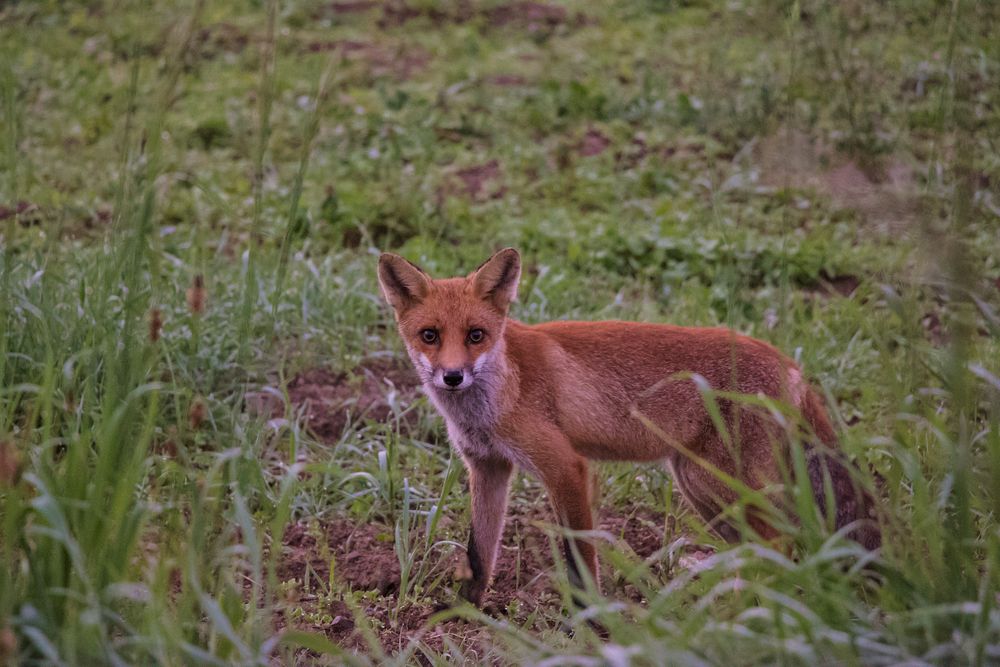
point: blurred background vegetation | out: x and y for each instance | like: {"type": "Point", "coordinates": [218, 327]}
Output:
{"type": "Point", "coordinates": [194, 412]}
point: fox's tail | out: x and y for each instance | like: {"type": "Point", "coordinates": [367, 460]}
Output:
{"type": "Point", "coordinates": [827, 461]}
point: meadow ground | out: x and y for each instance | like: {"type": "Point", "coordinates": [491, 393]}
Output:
{"type": "Point", "coordinates": [212, 447]}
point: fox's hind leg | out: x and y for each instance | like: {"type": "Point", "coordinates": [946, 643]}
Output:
{"type": "Point", "coordinates": [570, 487]}
{"type": "Point", "coordinates": [489, 480]}
{"type": "Point", "coordinates": [701, 490]}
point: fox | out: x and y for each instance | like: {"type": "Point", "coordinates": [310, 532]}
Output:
{"type": "Point", "coordinates": [551, 398]}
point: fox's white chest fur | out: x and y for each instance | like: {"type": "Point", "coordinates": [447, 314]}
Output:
{"type": "Point", "coordinates": [472, 416]}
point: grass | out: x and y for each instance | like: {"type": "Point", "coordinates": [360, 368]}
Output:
{"type": "Point", "coordinates": [820, 175]}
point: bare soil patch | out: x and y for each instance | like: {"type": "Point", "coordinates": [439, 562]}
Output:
{"type": "Point", "coordinates": [329, 401]}
{"type": "Point", "coordinates": [400, 62]}
{"type": "Point", "coordinates": [883, 192]}
{"type": "Point", "coordinates": [506, 80]}
{"type": "Point", "coordinates": [29, 214]}
{"type": "Point", "coordinates": [352, 7]}
{"type": "Point", "coordinates": [364, 560]}
{"type": "Point", "coordinates": [479, 183]}
{"type": "Point", "coordinates": [362, 552]}
{"type": "Point", "coordinates": [594, 142]}
{"type": "Point", "coordinates": [530, 17]}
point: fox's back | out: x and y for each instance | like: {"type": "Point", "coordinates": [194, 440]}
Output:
{"type": "Point", "coordinates": [633, 356]}
{"type": "Point", "coordinates": [595, 377]}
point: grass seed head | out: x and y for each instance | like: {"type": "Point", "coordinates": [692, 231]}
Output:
{"type": "Point", "coordinates": [10, 465]}
{"type": "Point", "coordinates": [8, 645]}
{"type": "Point", "coordinates": [167, 449]}
{"type": "Point", "coordinates": [155, 324]}
{"type": "Point", "coordinates": [196, 295]}
{"type": "Point", "coordinates": [196, 413]}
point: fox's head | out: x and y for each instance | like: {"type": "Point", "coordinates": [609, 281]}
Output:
{"type": "Point", "coordinates": [451, 327]}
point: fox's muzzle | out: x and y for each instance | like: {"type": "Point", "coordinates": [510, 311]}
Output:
{"type": "Point", "coordinates": [452, 379]}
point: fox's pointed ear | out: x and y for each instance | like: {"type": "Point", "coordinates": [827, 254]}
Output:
{"type": "Point", "coordinates": [403, 284]}
{"type": "Point", "coordinates": [496, 280]}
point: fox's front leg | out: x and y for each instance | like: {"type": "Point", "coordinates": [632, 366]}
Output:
{"type": "Point", "coordinates": [489, 480]}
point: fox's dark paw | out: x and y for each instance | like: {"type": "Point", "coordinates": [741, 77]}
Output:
{"type": "Point", "coordinates": [442, 606]}
{"type": "Point", "coordinates": [473, 591]}
{"type": "Point", "coordinates": [488, 608]}
{"type": "Point", "coordinates": [597, 628]}
{"type": "Point", "coordinates": [493, 610]}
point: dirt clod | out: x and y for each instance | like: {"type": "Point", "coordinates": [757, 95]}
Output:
{"type": "Point", "coordinates": [479, 183]}
{"type": "Point", "coordinates": [594, 142]}
{"type": "Point", "coordinates": [352, 7]}
{"type": "Point", "coordinates": [329, 401]}
{"type": "Point", "coordinates": [400, 62]}
{"type": "Point", "coordinates": [530, 16]}
{"type": "Point", "coordinates": [506, 80]}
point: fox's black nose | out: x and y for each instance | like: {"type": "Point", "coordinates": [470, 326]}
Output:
{"type": "Point", "coordinates": [453, 378]}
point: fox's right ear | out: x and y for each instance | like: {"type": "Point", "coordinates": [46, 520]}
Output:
{"type": "Point", "coordinates": [403, 284]}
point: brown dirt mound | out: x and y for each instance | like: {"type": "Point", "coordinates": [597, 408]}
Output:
{"type": "Point", "coordinates": [329, 401]}
{"type": "Point", "coordinates": [479, 183]}
{"type": "Point", "coordinates": [594, 142]}
{"type": "Point", "coordinates": [400, 62]}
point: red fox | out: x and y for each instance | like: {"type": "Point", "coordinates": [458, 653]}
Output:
{"type": "Point", "coordinates": [550, 397]}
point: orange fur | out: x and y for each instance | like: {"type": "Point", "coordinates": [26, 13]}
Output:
{"type": "Point", "coordinates": [550, 397]}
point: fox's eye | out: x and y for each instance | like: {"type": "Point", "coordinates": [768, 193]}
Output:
{"type": "Point", "coordinates": [429, 336]}
{"type": "Point", "coordinates": [476, 335]}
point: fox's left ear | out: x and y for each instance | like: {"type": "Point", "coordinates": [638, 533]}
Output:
{"type": "Point", "coordinates": [496, 280]}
